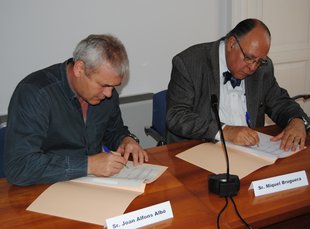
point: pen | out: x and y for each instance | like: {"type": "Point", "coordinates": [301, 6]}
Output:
{"type": "Point", "coordinates": [248, 121]}
{"type": "Point", "coordinates": [107, 150]}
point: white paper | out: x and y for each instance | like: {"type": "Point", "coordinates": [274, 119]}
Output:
{"type": "Point", "coordinates": [266, 148]}
{"type": "Point", "coordinates": [144, 172]}
{"type": "Point", "coordinates": [130, 177]}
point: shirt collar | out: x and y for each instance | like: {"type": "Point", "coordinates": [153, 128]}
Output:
{"type": "Point", "coordinates": [222, 58]}
{"type": "Point", "coordinates": [67, 89]}
{"type": "Point", "coordinates": [223, 66]}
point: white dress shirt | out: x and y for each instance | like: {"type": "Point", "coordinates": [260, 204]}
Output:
{"type": "Point", "coordinates": [232, 101]}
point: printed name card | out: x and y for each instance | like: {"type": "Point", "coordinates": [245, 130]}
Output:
{"type": "Point", "coordinates": [279, 183]}
{"type": "Point", "coordinates": [142, 217]}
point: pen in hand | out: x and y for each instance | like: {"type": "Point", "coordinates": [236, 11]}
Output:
{"type": "Point", "coordinates": [248, 122]}
{"type": "Point", "coordinates": [107, 150]}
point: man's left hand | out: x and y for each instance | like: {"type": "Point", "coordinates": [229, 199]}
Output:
{"type": "Point", "coordinates": [130, 146]}
{"type": "Point", "coordinates": [294, 134]}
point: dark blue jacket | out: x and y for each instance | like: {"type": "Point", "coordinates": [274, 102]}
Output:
{"type": "Point", "coordinates": [46, 137]}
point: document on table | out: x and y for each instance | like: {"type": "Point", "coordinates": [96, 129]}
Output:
{"type": "Point", "coordinates": [94, 199]}
{"type": "Point", "coordinates": [266, 148]}
{"type": "Point", "coordinates": [243, 160]}
{"type": "Point", "coordinates": [130, 177]}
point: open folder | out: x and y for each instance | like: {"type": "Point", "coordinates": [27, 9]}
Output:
{"type": "Point", "coordinates": [242, 160]}
{"type": "Point", "coordinates": [94, 199]}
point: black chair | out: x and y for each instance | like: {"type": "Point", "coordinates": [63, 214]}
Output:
{"type": "Point", "coordinates": [158, 128]}
{"type": "Point", "coordinates": [2, 134]}
{"type": "Point", "coordinates": [304, 97]}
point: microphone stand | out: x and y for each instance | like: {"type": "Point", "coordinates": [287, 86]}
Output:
{"type": "Point", "coordinates": [225, 184]}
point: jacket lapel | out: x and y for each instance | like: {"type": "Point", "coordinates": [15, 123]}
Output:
{"type": "Point", "coordinates": [252, 96]}
{"type": "Point", "coordinates": [214, 85]}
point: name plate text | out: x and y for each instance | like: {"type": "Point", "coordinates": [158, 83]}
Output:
{"type": "Point", "coordinates": [142, 217]}
{"type": "Point", "coordinates": [279, 183]}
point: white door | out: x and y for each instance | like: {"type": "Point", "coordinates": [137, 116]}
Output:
{"type": "Point", "coordinates": [289, 24]}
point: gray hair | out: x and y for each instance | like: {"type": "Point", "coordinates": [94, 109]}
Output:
{"type": "Point", "coordinates": [245, 26]}
{"type": "Point", "coordinates": [97, 50]}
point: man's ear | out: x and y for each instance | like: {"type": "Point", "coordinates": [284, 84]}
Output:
{"type": "Point", "coordinates": [79, 68]}
{"type": "Point", "coordinates": [231, 43]}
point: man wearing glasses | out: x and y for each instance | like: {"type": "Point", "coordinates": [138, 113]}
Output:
{"type": "Point", "coordinates": [237, 70]}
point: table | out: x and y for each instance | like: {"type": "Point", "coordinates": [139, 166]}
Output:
{"type": "Point", "coordinates": [186, 187]}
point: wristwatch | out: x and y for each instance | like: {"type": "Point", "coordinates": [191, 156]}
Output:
{"type": "Point", "coordinates": [134, 137]}
{"type": "Point", "coordinates": [307, 124]}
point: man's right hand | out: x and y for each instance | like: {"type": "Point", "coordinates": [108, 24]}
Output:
{"type": "Point", "coordinates": [241, 135]}
{"type": "Point", "coordinates": [105, 164]}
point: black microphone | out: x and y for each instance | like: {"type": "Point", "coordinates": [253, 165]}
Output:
{"type": "Point", "coordinates": [223, 184]}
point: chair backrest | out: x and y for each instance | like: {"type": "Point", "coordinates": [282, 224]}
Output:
{"type": "Point", "coordinates": [2, 135]}
{"type": "Point", "coordinates": [159, 112]}
{"type": "Point", "coordinates": [303, 96]}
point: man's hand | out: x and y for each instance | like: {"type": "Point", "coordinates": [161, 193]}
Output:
{"type": "Point", "coordinates": [293, 134]}
{"type": "Point", "coordinates": [130, 146]}
{"type": "Point", "coordinates": [241, 135]}
{"type": "Point", "coordinates": [105, 164]}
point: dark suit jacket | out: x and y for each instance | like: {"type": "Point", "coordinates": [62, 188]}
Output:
{"type": "Point", "coordinates": [195, 77]}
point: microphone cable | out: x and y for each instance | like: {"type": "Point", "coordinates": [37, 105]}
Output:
{"type": "Point", "coordinates": [239, 215]}
{"type": "Point", "coordinates": [220, 213]}
{"type": "Point", "coordinates": [217, 183]}
{"type": "Point", "coordinates": [236, 210]}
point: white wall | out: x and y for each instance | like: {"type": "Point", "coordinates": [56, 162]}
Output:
{"type": "Point", "coordinates": [37, 33]}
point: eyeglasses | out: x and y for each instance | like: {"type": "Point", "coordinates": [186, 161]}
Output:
{"type": "Point", "coordinates": [248, 59]}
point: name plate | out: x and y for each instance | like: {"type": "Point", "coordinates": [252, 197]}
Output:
{"type": "Point", "coordinates": [142, 217]}
{"type": "Point", "coordinates": [279, 183]}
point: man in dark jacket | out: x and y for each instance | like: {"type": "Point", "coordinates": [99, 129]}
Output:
{"type": "Point", "coordinates": [60, 118]}
{"type": "Point", "coordinates": [237, 70]}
